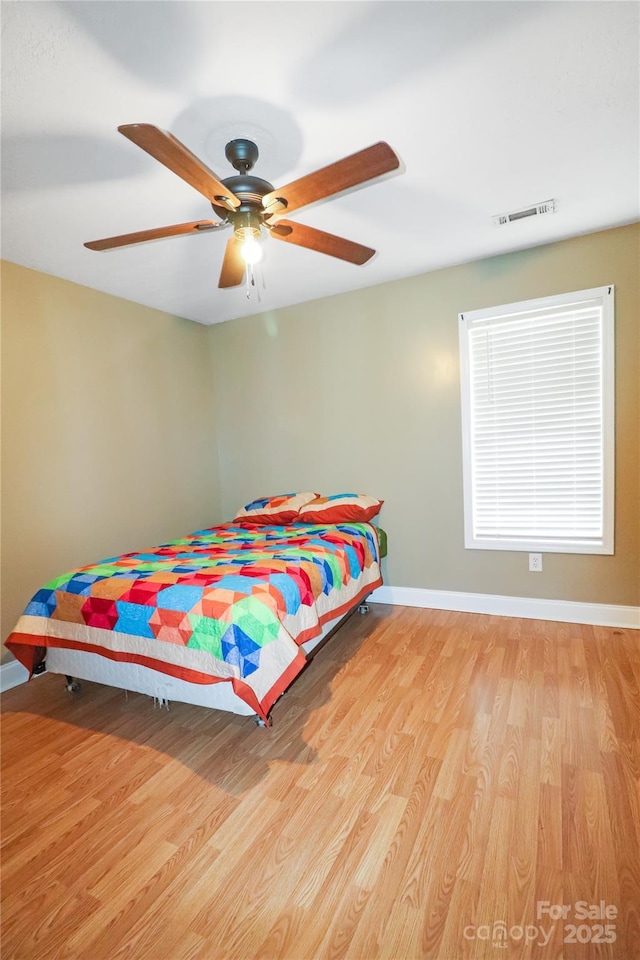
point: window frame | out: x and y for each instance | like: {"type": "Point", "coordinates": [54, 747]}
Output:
{"type": "Point", "coordinates": [604, 544]}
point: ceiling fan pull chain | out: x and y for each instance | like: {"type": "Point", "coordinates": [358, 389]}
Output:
{"type": "Point", "coordinates": [250, 281]}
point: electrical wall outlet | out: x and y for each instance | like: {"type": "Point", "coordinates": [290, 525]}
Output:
{"type": "Point", "coordinates": [535, 562]}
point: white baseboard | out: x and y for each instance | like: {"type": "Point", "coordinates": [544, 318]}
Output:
{"type": "Point", "coordinates": [12, 674]}
{"type": "Point", "coordinates": [564, 611]}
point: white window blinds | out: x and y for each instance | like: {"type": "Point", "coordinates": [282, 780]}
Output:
{"type": "Point", "coordinates": [537, 398]}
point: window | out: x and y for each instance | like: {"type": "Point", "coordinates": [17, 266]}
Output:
{"type": "Point", "coordinates": [537, 382]}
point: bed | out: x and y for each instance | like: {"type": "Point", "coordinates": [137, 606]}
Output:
{"type": "Point", "coordinates": [226, 617]}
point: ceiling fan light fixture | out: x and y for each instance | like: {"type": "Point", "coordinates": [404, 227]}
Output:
{"type": "Point", "coordinates": [246, 224]}
{"type": "Point", "coordinates": [246, 228]}
{"type": "Point", "coordinates": [251, 251]}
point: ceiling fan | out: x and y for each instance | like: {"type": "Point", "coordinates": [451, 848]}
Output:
{"type": "Point", "coordinates": [250, 204]}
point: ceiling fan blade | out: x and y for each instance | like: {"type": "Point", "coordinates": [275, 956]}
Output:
{"type": "Point", "coordinates": [168, 150]}
{"type": "Point", "coordinates": [196, 226]}
{"type": "Point", "coordinates": [348, 172]}
{"type": "Point", "coordinates": [233, 266]}
{"type": "Point", "coordinates": [320, 241]}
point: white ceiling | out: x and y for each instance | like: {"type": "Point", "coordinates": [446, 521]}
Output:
{"type": "Point", "coordinates": [491, 106]}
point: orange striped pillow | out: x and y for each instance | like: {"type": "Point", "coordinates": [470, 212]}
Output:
{"type": "Point", "coordinates": [340, 508]}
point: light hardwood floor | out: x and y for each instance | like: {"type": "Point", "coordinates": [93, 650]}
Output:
{"type": "Point", "coordinates": [430, 775]}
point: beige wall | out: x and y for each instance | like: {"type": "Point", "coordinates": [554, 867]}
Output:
{"type": "Point", "coordinates": [109, 440]}
{"type": "Point", "coordinates": [361, 392]}
{"type": "Point", "coordinates": [107, 430]}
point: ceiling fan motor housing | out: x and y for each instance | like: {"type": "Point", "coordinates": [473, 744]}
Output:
{"type": "Point", "coordinates": [249, 191]}
{"type": "Point", "coordinates": [247, 218]}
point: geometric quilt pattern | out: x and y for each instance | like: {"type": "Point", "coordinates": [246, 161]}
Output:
{"type": "Point", "coordinates": [223, 589]}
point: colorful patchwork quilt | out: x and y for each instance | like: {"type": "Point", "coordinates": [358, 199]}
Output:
{"type": "Point", "coordinates": [232, 602]}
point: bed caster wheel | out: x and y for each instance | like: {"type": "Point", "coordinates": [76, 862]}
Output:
{"type": "Point", "coordinates": [363, 608]}
{"type": "Point", "coordinates": [72, 686]}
